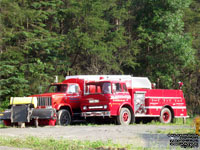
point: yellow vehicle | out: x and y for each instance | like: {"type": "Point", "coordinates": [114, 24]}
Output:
{"type": "Point", "coordinates": [197, 124]}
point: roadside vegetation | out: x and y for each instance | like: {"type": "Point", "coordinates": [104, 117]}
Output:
{"type": "Point", "coordinates": [176, 121]}
{"type": "Point", "coordinates": [36, 143]}
{"type": "Point", "coordinates": [53, 144]}
{"type": "Point", "coordinates": [178, 131]}
{"type": "Point", "coordinates": [2, 126]}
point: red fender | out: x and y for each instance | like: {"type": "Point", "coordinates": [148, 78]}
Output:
{"type": "Point", "coordinates": [118, 112]}
{"type": "Point", "coordinates": [65, 105]}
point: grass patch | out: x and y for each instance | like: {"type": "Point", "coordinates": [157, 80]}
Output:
{"type": "Point", "coordinates": [2, 126]}
{"type": "Point", "coordinates": [176, 121]}
{"type": "Point", "coordinates": [179, 122]}
{"type": "Point", "coordinates": [52, 144]}
{"type": "Point", "coordinates": [177, 131]}
{"type": "Point", "coordinates": [36, 143]}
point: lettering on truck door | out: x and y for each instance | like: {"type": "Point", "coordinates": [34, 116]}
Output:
{"type": "Point", "coordinates": [74, 95]}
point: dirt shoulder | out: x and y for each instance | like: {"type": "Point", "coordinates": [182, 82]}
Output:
{"type": "Point", "coordinates": [138, 135]}
{"type": "Point", "coordinates": [12, 148]}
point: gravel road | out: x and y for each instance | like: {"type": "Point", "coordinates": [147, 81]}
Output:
{"type": "Point", "coordinates": [137, 135]}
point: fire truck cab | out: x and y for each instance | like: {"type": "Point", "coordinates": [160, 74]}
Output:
{"type": "Point", "coordinates": [59, 104]}
{"type": "Point", "coordinates": [106, 98]}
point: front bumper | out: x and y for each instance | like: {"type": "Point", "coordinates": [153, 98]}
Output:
{"type": "Point", "coordinates": [6, 115]}
{"type": "Point", "coordinates": [44, 113]}
{"type": "Point", "coordinates": [16, 115]}
{"type": "Point", "coordinates": [96, 114]}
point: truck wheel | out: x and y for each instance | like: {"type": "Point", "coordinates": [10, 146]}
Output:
{"type": "Point", "coordinates": [165, 116]}
{"type": "Point", "coordinates": [64, 117]}
{"type": "Point", "coordinates": [125, 117]}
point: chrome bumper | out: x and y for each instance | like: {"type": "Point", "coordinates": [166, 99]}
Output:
{"type": "Point", "coordinates": [96, 114]}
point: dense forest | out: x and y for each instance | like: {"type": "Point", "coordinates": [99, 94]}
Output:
{"type": "Point", "coordinates": [159, 39]}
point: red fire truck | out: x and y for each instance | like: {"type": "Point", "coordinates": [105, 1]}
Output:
{"type": "Point", "coordinates": [60, 104]}
{"type": "Point", "coordinates": [127, 98]}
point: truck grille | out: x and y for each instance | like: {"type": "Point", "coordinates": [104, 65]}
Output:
{"type": "Point", "coordinates": [44, 101]}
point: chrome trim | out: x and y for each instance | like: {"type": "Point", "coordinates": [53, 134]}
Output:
{"type": "Point", "coordinates": [153, 107]}
{"type": "Point", "coordinates": [93, 101]}
{"type": "Point", "coordinates": [44, 101]}
{"type": "Point", "coordinates": [179, 107]}
{"type": "Point", "coordinates": [140, 92]}
{"type": "Point", "coordinates": [143, 115]}
{"type": "Point", "coordinates": [159, 107]}
{"type": "Point", "coordinates": [96, 113]}
{"type": "Point", "coordinates": [95, 107]}
{"type": "Point", "coordinates": [164, 97]}
{"type": "Point", "coordinates": [181, 116]}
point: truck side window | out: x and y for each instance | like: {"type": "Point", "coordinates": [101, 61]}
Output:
{"type": "Point", "coordinates": [98, 89]}
{"type": "Point", "coordinates": [76, 88]}
{"type": "Point", "coordinates": [118, 87]}
{"type": "Point", "coordinates": [72, 88]}
{"type": "Point", "coordinates": [63, 88]}
{"type": "Point", "coordinates": [106, 88]}
{"type": "Point", "coordinates": [125, 88]}
{"type": "Point", "coordinates": [92, 89]}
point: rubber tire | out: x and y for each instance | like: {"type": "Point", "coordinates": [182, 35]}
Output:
{"type": "Point", "coordinates": [165, 112]}
{"type": "Point", "coordinates": [120, 118]}
{"type": "Point", "coordinates": [132, 118]}
{"type": "Point", "coordinates": [64, 117]}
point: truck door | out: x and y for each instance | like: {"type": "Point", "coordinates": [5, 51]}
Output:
{"type": "Point", "coordinates": [74, 95]}
{"type": "Point", "coordinates": [119, 96]}
{"type": "Point", "coordinates": [126, 94]}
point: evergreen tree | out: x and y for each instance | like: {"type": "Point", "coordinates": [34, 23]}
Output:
{"type": "Point", "coordinates": [165, 49]}
{"type": "Point", "coordinates": [191, 75]}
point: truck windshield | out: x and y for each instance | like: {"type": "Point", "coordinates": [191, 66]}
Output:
{"type": "Point", "coordinates": [56, 89]}
{"type": "Point", "coordinates": [98, 88]}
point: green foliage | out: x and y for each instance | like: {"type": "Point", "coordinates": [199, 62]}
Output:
{"type": "Point", "coordinates": [191, 74]}
{"type": "Point", "coordinates": [177, 131]}
{"type": "Point", "coordinates": [166, 50]}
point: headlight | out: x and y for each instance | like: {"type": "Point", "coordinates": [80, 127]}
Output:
{"type": "Point", "coordinates": [105, 106]}
{"type": "Point", "coordinates": [84, 107]}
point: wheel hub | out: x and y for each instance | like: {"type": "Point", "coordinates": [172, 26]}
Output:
{"type": "Point", "coordinates": [166, 116]}
{"type": "Point", "coordinates": [125, 116]}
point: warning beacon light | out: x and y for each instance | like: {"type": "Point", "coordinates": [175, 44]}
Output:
{"type": "Point", "coordinates": [180, 84]}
